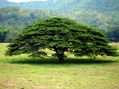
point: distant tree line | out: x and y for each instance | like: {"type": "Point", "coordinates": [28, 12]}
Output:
{"type": "Point", "coordinates": [3, 32]}
{"type": "Point", "coordinates": [113, 34]}
{"type": "Point", "coordinates": [8, 33]}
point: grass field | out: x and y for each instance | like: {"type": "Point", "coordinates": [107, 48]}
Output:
{"type": "Point", "coordinates": [21, 72]}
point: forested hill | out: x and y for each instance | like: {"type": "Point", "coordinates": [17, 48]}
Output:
{"type": "Point", "coordinates": [49, 4]}
{"type": "Point", "coordinates": [104, 6]}
{"type": "Point", "coordinates": [14, 19]}
{"type": "Point", "coordinates": [66, 5]}
{"type": "Point", "coordinates": [19, 17]}
{"type": "Point", "coordinates": [102, 14]}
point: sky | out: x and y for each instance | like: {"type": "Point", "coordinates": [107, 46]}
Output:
{"type": "Point", "coordinates": [18, 1]}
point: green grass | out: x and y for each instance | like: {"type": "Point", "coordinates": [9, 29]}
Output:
{"type": "Point", "coordinates": [22, 72]}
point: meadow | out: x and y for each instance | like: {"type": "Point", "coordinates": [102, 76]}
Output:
{"type": "Point", "coordinates": [22, 72]}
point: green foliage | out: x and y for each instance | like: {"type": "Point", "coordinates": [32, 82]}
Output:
{"type": "Point", "coordinates": [16, 18]}
{"type": "Point", "coordinates": [11, 34]}
{"type": "Point", "coordinates": [103, 13]}
{"type": "Point", "coordinates": [60, 35]}
{"type": "Point", "coordinates": [113, 34]}
{"type": "Point", "coordinates": [92, 18]}
{"type": "Point", "coordinates": [7, 33]}
{"type": "Point", "coordinates": [104, 6]}
{"type": "Point", "coordinates": [3, 32]}
{"type": "Point", "coordinates": [19, 17]}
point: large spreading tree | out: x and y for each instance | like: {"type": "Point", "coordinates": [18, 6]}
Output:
{"type": "Point", "coordinates": [60, 35]}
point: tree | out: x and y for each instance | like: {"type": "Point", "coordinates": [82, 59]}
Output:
{"type": "Point", "coordinates": [113, 35]}
{"type": "Point", "coordinates": [60, 35]}
{"type": "Point", "coordinates": [11, 34]}
{"type": "Point", "coordinates": [7, 33]}
{"type": "Point", "coordinates": [3, 32]}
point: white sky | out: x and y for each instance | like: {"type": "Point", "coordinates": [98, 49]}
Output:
{"type": "Point", "coordinates": [18, 1]}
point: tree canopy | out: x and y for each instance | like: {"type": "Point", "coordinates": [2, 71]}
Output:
{"type": "Point", "coordinates": [60, 35]}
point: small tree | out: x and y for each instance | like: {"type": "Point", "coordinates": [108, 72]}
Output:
{"type": "Point", "coordinates": [60, 35]}
{"type": "Point", "coordinates": [3, 32]}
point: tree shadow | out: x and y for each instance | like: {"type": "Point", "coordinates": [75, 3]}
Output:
{"type": "Point", "coordinates": [36, 61]}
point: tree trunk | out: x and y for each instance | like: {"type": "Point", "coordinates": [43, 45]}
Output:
{"type": "Point", "coordinates": [60, 53]}
{"type": "Point", "coordinates": [61, 59]}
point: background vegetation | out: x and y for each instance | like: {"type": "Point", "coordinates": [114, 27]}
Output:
{"type": "Point", "coordinates": [14, 19]}
{"type": "Point", "coordinates": [100, 14]}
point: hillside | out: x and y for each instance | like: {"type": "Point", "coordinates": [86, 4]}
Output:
{"type": "Point", "coordinates": [104, 6]}
{"type": "Point", "coordinates": [4, 3]}
{"type": "Point", "coordinates": [15, 19]}
{"type": "Point", "coordinates": [19, 17]}
{"type": "Point", "coordinates": [49, 4]}
{"type": "Point", "coordinates": [92, 18]}
{"type": "Point", "coordinates": [101, 14]}
{"type": "Point", "coordinates": [68, 5]}
{"type": "Point", "coordinates": [98, 5]}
